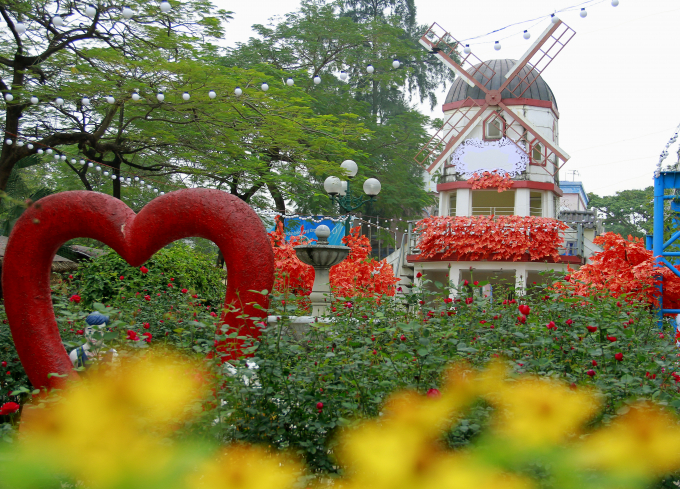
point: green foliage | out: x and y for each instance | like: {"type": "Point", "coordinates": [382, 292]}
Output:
{"type": "Point", "coordinates": [110, 279]}
{"type": "Point", "coordinates": [628, 212]}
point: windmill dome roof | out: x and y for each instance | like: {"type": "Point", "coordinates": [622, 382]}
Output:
{"type": "Point", "coordinates": [460, 90]}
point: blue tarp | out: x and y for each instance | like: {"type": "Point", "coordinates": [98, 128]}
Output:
{"type": "Point", "coordinates": [292, 227]}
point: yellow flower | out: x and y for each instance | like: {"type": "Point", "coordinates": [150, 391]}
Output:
{"type": "Point", "coordinates": [536, 412]}
{"type": "Point", "coordinates": [643, 442]}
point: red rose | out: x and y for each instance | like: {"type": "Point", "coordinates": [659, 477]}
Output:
{"type": "Point", "coordinates": [421, 302]}
{"type": "Point", "coordinates": [170, 285]}
{"type": "Point", "coordinates": [402, 338]}
{"type": "Point", "coordinates": [418, 275]}
{"type": "Point", "coordinates": [9, 408]}
{"type": "Point", "coordinates": [75, 298]}
{"type": "Point", "coordinates": [147, 325]}
{"type": "Point", "coordinates": [147, 297]}
{"type": "Point", "coordinates": [448, 300]}
{"type": "Point", "coordinates": [195, 296]}
{"type": "Point", "coordinates": [80, 331]}
{"type": "Point", "coordinates": [592, 329]}
{"type": "Point", "coordinates": [594, 363]}
{"type": "Point", "coordinates": [619, 356]}
{"type": "Point", "coordinates": [465, 282]}
{"type": "Point", "coordinates": [524, 309]}
{"type": "Point", "coordinates": [522, 319]}
{"type": "Point", "coordinates": [70, 276]}
{"type": "Point", "coordinates": [4, 364]}
{"type": "Point", "coordinates": [618, 304]}
{"type": "Point", "coordinates": [132, 335]}
{"type": "Point", "coordinates": [143, 269]}
{"type": "Point", "coordinates": [172, 279]}
{"type": "Point", "coordinates": [213, 314]}
{"type": "Point", "coordinates": [148, 337]}
{"type": "Point", "coordinates": [184, 291]}
{"type": "Point", "coordinates": [375, 352]}
{"type": "Point", "coordinates": [569, 322]}
{"type": "Point", "coordinates": [122, 278]}
{"type": "Point", "coordinates": [567, 278]}
{"type": "Point", "coordinates": [612, 339]}
{"type": "Point", "coordinates": [434, 393]}
{"type": "Point", "coordinates": [469, 300]}
{"type": "Point", "coordinates": [482, 321]}
{"type": "Point", "coordinates": [590, 373]}
{"type": "Point", "coordinates": [319, 406]}
{"type": "Point", "coordinates": [551, 325]}
{"type": "Point", "coordinates": [476, 282]}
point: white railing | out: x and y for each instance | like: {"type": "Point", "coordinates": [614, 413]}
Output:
{"type": "Point", "coordinates": [493, 211]}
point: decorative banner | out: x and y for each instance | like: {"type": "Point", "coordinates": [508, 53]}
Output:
{"type": "Point", "coordinates": [293, 227]}
{"type": "Point", "coordinates": [477, 156]}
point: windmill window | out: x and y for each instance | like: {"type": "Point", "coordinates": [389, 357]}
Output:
{"type": "Point", "coordinates": [537, 153]}
{"type": "Point", "coordinates": [494, 129]}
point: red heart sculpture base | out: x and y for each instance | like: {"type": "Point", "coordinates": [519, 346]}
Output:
{"type": "Point", "coordinates": [212, 214]}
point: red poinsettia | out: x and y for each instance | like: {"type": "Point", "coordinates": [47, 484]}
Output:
{"type": "Point", "coordinates": [494, 179]}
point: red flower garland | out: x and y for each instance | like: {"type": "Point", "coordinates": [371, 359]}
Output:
{"type": "Point", "coordinates": [492, 179]}
{"type": "Point", "coordinates": [506, 238]}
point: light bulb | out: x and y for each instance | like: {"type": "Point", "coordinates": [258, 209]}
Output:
{"type": "Point", "coordinates": [57, 21]}
{"type": "Point", "coordinates": [186, 96]}
{"type": "Point", "coordinates": [467, 49]}
{"type": "Point", "coordinates": [8, 142]}
{"type": "Point", "coordinates": [615, 3]}
{"type": "Point", "coordinates": [59, 101]}
{"type": "Point", "coordinates": [162, 193]}
{"type": "Point", "coordinates": [9, 97]}
{"type": "Point", "coordinates": [34, 100]}
{"type": "Point", "coordinates": [135, 96]}
{"type": "Point", "coordinates": [370, 69]}
{"type": "Point", "coordinates": [554, 18]}
{"type": "Point", "coordinates": [110, 99]}
{"type": "Point", "coordinates": [526, 35]}
{"type": "Point", "coordinates": [20, 28]}
{"type": "Point", "coordinates": [583, 13]}
{"type": "Point", "coordinates": [127, 12]}
{"type": "Point", "coordinates": [40, 151]}
{"type": "Point", "coordinates": [212, 94]}
{"type": "Point", "coordinates": [141, 182]}
{"type": "Point", "coordinates": [98, 168]}
{"type": "Point", "coordinates": [136, 179]}
{"type": "Point", "coordinates": [128, 180]}
{"type": "Point", "coordinates": [497, 46]}
{"type": "Point", "coordinates": [343, 76]}
{"type": "Point", "coordinates": [90, 164]}
{"type": "Point", "coordinates": [290, 82]}
{"type": "Point", "coordinates": [113, 177]}
{"type": "Point", "coordinates": [86, 101]}
{"type": "Point", "coordinates": [49, 151]}
{"type": "Point", "coordinates": [149, 187]}
{"type": "Point", "coordinates": [165, 6]}
{"type": "Point", "coordinates": [396, 64]}
{"type": "Point", "coordinates": [317, 80]}
{"type": "Point", "coordinates": [155, 190]}
{"type": "Point", "coordinates": [265, 87]}
{"type": "Point", "coordinates": [56, 157]}
{"type": "Point", "coordinates": [82, 162]}
{"type": "Point", "coordinates": [238, 91]}
{"type": "Point", "coordinates": [106, 174]}
{"type": "Point", "coordinates": [62, 157]}
{"type": "Point", "coordinates": [90, 10]}
{"type": "Point", "coordinates": [29, 146]}
{"type": "Point", "coordinates": [160, 96]}
{"type": "Point", "coordinates": [20, 143]}
{"type": "Point", "coordinates": [73, 161]}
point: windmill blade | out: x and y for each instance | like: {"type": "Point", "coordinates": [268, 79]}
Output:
{"type": "Point", "coordinates": [537, 58]}
{"type": "Point", "coordinates": [445, 46]}
{"type": "Point", "coordinates": [451, 134]}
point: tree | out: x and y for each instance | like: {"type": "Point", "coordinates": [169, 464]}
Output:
{"type": "Point", "coordinates": [628, 212]}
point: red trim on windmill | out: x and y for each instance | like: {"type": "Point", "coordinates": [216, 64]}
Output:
{"type": "Point", "coordinates": [517, 128]}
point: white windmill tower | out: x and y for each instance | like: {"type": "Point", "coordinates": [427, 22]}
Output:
{"type": "Point", "coordinates": [503, 118]}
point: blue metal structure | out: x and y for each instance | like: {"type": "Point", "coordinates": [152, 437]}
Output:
{"type": "Point", "coordinates": [662, 181]}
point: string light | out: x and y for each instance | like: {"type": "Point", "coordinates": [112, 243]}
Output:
{"type": "Point", "coordinates": [615, 3]}
{"type": "Point", "coordinates": [370, 69]}
{"type": "Point", "coordinates": [59, 101]}
{"type": "Point", "coordinates": [135, 96]}
{"type": "Point", "coordinates": [90, 11]}
{"type": "Point", "coordinates": [526, 35]}
{"type": "Point", "coordinates": [127, 12]}
{"type": "Point", "coordinates": [110, 99]}
{"type": "Point", "coordinates": [264, 86]}
{"type": "Point", "coordinates": [467, 49]}
{"type": "Point", "coordinates": [396, 64]}
{"type": "Point", "coordinates": [20, 28]}
{"type": "Point", "coordinates": [165, 6]}
{"type": "Point", "coordinates": [57, 21]}
{"type": "Point", "coordinates": [8, 142]}
{"type": "Point", "coordinates": [212, 94]}
{"type": "Point", "coordinates": [34, 99]}
{"type": "Point", "coordinates": [583, 13]}
{"type": "Point", "coordinates": [238, 91]}
{"type": "Point", "coordinates": [290, 82]}
{"type": "Point", "coordinates": [186, 96]}
{"type": "Point", "coordinates": [554, 18]}
{"type": "Point", "coordinates": [159, 96]}
{"type": "Point", "coordinates": [20, 143]}
{"type": "Point", "coordinates": [9, 97]}
{"type": "Point", "coordinates": [343, 76]}
{"type": "Point", "coordinates": [317, 79]}
{"type": "Point", "coordinates": [85, 101]}
{"type": "Point", "coordinates": [497, 46]}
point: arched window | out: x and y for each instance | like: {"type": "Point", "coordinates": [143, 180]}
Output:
{"type": "Point", "coordinates": [494, 128]}
{"type": "Point", "coordinates": [537, 153]}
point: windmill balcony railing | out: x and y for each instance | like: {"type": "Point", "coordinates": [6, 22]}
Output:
{"type": "Point", "coordinates": [499, 211]}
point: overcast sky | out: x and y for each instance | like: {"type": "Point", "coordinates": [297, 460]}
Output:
{"type": "Point", "coordinates": [617, 83]}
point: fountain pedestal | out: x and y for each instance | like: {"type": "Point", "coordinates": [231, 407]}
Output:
{"type": "Point", "coordinates": [322, 257]}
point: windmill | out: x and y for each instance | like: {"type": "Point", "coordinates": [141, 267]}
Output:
{"type": "Point", "coordinates": [519, 80]}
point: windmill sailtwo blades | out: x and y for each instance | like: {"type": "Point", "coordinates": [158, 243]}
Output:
{"type": "Point", "coordinates": [479, 74]}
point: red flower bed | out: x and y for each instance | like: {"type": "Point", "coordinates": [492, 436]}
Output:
{"type": "Point", "coordinates": [506, 238]}
{"type": "Point", "coordinates": [491, 180]}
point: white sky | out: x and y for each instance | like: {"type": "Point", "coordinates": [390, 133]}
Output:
{"type": "Point", "coordinates": [617, 83]}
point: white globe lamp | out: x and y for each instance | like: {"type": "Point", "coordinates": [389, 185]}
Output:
{"type": "Point", "coordinates": [372, 187]}
{"type": "Point", "coordinates": [332, 185]}
{"type": "Point", "coordinates": [350, 167]}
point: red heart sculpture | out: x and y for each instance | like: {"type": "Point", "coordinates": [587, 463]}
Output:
{"type": "Point", "coordinates": [212, 214]}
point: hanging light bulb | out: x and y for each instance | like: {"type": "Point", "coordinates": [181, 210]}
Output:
{"type": "Point", "coordinates": [583, 13]}
{"type": "Point", "coordinates": [317, 79]}
{"type": "Point", "coordinates": [34, 99]}
{"type": "Point", "coordinates": [370, 69]}
{"type": "Point", "coordinates": [136, 179]}
{"type": "Point", "coordinates": [526, 35]}
{"type": "Point", "coordinates": [56, 157]}
{"type": "Point", "coordinates": [106, 174]}
{"type": "Point", "coordinates": [135, 96]}
{"type": "Point", "coordinates": [162, 193]}
{"type": "Point", "coordinates": [20, 143]}
{"type": "Point", "coordinates": [165, 6]}
{"type": "Point", "coordinates": [128, 180]}
{"type": "Point", "coordinates": [396, 64]}
{"type": "Point", "coordinates": [29, 146]}
{"type": "Point", "coordinates": [142, 182]}
{"type": "Point", "coordinates": [186, 96]}
{"type": "Point", "coordinates": [212, 94]}
{"type": "Point", "coordinates": [90, 11]}
{"type": "Point", "coordinates": [9, 97]}
{"type": "Point", "coordinates": [290, 82]}
{"type": "Point", "coordinates": [127, 12]}
{"type": "Point", "coordinates": [159, 96]}
{"type": "Point", "coordinates": [40, 151]}
{"type": "Point", "coordinates": [238, 91]}
{"type": "Point", "coordinates": [149, 187]}
{"type": "Point", "coordinates": [73, 161]}
{"type": "Point", "coordinates": [86, 101]}
{"type": "Point", "coordinates": [343, 76]}
{"type": "Point", "coordinates": [59, 101]}
{"type": "Point", "coordinates": [8, 142]}
{"type": "Point", "coordinates": [155, 190]}
{"type": "Point", "coordinates": [90, 164]}
{"type": "Point", "coordinates": [82, 162]}
{"type": "Point", "coordinates": [98, 168]}
{"type": "Point", "coordinates": [49, 151]}
{"type": "Point", "coordinates": [467, 49]}
{"type": "Point", "coordinates": [554, 18]}
{"type": "Point", "coordinates": [265, 87]}
{"type": "Point", "coordinates": [20, 28]}
{"type": "Point", "coordinates": [62, 157]}
{"type": "Point", "coordinates": [113, 177]}
{"type": "Point", "coordinates": [615, 3]}
{"type": "Point", "coordinates": [57, 21]}
{"type": "Point", "coordinates": [497, 46]}
{"type": "Point", "coordinates": [110, 99]}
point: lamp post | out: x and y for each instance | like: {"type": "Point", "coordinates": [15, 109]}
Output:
{"type": "Point", "coordinates": [342, 191]}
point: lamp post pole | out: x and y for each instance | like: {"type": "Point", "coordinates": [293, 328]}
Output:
{"type": "Point", "coordinates": [343, 193]}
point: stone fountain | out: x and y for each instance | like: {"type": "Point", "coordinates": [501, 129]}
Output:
{"type": "Point", "coordinates": [322, 257]}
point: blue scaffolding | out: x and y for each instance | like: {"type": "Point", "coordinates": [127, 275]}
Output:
{"type": "Point", "coordinates": [662, 181]}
